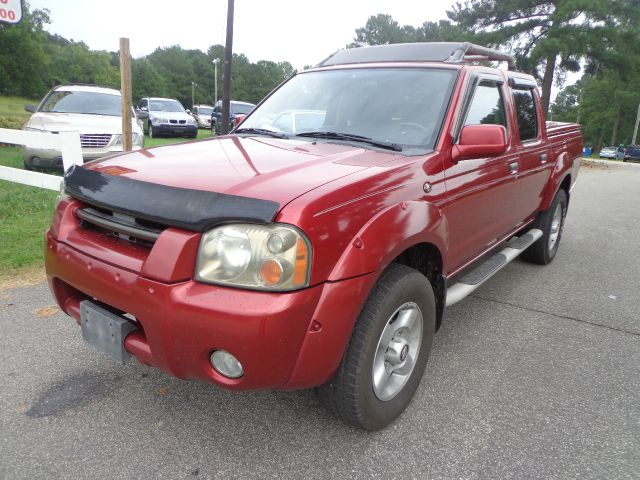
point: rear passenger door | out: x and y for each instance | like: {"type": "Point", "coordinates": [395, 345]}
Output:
{"type": "Point", "coordinates": [535, 162]}
{"type": "Point", "coordinates": [480, 191]}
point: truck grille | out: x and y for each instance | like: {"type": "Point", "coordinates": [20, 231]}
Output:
{"type": "Point", "coordinates": [94, 140]}
{"type": "Point", "coordinates": [120, 225]}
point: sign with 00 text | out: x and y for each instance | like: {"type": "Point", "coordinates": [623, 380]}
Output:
{"type": "Point", "coordinates": [10, 11]}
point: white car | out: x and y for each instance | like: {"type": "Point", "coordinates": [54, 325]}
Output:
{"type": "Point", "coordinates": [94, 112]}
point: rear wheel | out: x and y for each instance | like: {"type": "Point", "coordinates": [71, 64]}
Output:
{"type": "Point", "coordinates": [387, 354]}
{"type": "Point", "coordinates": [551, 222]}
{"type": "Point", "coordinates": [152, 134]}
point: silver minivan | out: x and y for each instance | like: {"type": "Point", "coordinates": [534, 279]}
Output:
{"type": "Point", "coordinates": [94, 112]}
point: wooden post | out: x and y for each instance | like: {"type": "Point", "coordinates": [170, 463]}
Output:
{"type": "Point", "coordinates": [125, 90]}
{"type": "Point", "coordinates": [226, 81]}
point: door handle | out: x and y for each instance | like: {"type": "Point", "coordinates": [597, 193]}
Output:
{"type": "Point", "coordinates": [543, 158]}
{"type": "Point", "coordinates": [513, 168]}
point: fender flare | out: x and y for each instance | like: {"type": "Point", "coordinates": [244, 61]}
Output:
{"type": "Point", "coordinates": [561, 170]}
{"type": "Point", "coordinates": [390, 232]}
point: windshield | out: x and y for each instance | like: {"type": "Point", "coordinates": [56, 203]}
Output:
{"type": "Point", "coordinates": [165, 106]}
{"type": "Point", "coordinates": [205, 111]}
{"type": "Point", "coordinates": [88, 103]}
{"type": "Point", "coordinates": [404, 106]}
{"type": "Point", "coordinates": [241, 109]}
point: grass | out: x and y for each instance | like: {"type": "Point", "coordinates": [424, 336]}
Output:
{"type": "Point", "coordinates": [12, 112]}
{"type": "Point", "coordinates": [155, 142]}
{"type": "Point", "coordinates": [25, 214]}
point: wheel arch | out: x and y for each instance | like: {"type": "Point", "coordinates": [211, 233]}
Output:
{"type": "Point", "coordinates": [427, 259]}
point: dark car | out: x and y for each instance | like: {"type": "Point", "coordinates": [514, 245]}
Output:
{"type": "Point", "coordinates": [235, 108]}
{"type": "Point", "coordinates": [632, 153]}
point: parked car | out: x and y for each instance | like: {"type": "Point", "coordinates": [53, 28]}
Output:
{"type": "Point", "coordinates": [95, 112]}
{"type": "Point", "coordinates": [615, 153]}
{"type": "Point", "coordinates": [202, 114]}
{"type": "Point", "coordinates": [632, 153]}
{"type": "Point", "coordinates": [273, 260]}
{"type": "Point", "coordinates": [235, 108]}
{"type": "Point", "coordinates": [167, 117]}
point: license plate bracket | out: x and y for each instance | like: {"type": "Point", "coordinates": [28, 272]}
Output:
{"type": "Point", "coordinates": [105, 330]}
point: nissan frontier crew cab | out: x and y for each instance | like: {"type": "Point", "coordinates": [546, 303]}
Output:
{"type": "Point", "coordinates": [324, 256]}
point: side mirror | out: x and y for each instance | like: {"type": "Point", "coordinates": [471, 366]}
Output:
{"type": "Point", "coordinates": [480, 141]}
{"type": "Point", "coordinates": [142, 114]}
{"type": "Point", "coordinates": [144, 109]}
{"type": "Point", "coordinates": [30, 108]}
{"type": "Point", "coordinates": [238, 120]}
{"type": "Point", "coordinates": [188, 111]}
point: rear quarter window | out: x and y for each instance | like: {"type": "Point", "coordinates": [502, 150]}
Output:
{"type": "Point", "coordinates": [526, 113]}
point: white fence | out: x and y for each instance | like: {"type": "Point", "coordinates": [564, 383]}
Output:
{"type": "Point", "coordinates": [67, 143]}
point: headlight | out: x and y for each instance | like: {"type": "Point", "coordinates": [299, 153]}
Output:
{"type": "Point", "coordinates": [136, 139]}
{"type": "Point", "coordinates": [192, 121]}
{"type": "Point", "coordinates": [158, 120]}
{"type": "Point", "coordinates": [260, 257]}
{"type": "Point", "coordinates": [63, 193]}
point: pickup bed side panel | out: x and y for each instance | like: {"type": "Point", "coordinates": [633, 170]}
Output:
{"type": "Point", "coordinates": [567, 151]}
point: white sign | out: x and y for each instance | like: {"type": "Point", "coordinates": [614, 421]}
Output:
{"type": "Point", "coordinates": [10, 11]}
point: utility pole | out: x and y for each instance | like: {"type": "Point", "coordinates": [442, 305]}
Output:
{"type": "Point", "coordinates": [193, 89]}
{"type": "Point", "coordinates": [226, 87]}
{"type": "Point", "coordinates": [635, 130]}
{"type": "Point", "coordinates": [215, 80]}
{"type": "Point", "coordinates": [125, 92]}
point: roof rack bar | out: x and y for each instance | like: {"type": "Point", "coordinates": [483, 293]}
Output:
{"type": "Point", "coordinates": [469, 52]}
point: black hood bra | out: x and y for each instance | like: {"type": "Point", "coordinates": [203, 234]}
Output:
{"type": "Point", "coordinates": [195, 210]}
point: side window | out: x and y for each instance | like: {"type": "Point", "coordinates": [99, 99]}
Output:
{"type": "Point", "coordinates": [527, 116]}
{"type": "Point", "coordinates": [486, 106]}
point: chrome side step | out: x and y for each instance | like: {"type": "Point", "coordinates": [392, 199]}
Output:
{"type": "Point", "coordinates": [476, 277]}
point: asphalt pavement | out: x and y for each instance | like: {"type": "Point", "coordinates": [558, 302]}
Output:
{"type": "Point", "coordinates": [537, 375]}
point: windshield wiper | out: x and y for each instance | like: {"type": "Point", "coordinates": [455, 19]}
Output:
{"type": "Point", "coordinates": [354, 138]}
{"type": "Point", "coordinates": [261, 131]}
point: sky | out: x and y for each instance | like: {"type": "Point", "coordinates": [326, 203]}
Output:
{"type": "Point", "coordinates": [301, 32]}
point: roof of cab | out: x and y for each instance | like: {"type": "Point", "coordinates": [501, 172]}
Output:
{"type": "Point", "coordinates": [446, 52]}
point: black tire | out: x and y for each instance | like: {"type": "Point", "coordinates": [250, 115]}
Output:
{"type": "Point", "coordinates": [542, 251]}
{"type": "Point", "coordinates": [152, 132]}
{"type": "Point", "coordinates": [350, 394]}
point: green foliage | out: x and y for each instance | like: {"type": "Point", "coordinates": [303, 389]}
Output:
{"type": "Point", "coordinates": [550, 37]}
{"type": "Point", "coordinates": [383, 29]}
{"type": "Point", "coordinates": [25, 214]}
{"type": "Point", "coordinates": [33, 60]}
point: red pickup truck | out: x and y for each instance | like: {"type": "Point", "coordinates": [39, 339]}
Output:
{"type": "Point", "coordinates": [319, 243]}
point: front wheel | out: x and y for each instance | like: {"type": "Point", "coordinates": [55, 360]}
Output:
{"type": "Point", "coordinates": [387, 354]}
{"type": "Point", "coordinates": [551, 222]}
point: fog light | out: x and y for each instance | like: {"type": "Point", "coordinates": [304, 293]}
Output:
{"type": "Point", "coordinates": [226, 364]}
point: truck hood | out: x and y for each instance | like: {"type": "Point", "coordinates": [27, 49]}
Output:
{"type": "Point", "coordinates": [254, 167]}
{"type": "Point", "coordinates": [81, 123]}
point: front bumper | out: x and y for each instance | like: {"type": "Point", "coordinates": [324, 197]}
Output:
{"type": "Point", "coordinates": [175, 129]}
{"type": "Point", "coordinates": [283, 340]}
{"type": "Point", "coordinates": [51, 158]}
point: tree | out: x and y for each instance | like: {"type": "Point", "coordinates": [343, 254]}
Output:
{"type": "Point", "coordinates": [551, 37]}
{"type": "Point", "coordinates": [23, 60]}
{"type": "Point", "coordinates": [383, 29]}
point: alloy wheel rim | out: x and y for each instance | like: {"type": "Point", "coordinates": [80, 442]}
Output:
{"type": "Point", "coordinates": [556, 224]}
{"type": "Point", "coordinates": [397, 351]}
